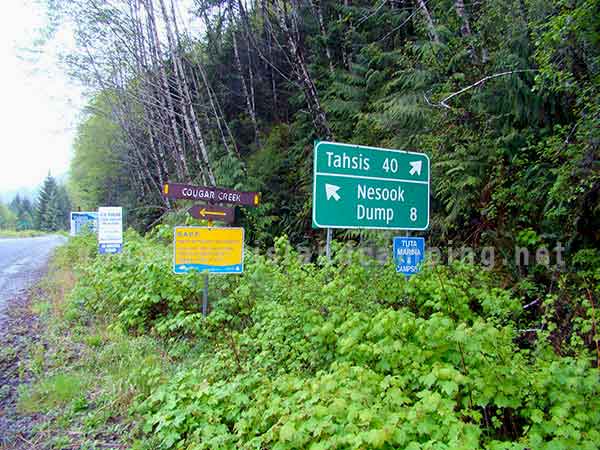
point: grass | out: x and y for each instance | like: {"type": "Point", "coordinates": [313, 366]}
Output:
{"type": "Point", "coordinates": [21, 234]}
{"type": "Point", "coordinates": [86, 374]}
{"type": "Point", "coordinates": [51, 392]}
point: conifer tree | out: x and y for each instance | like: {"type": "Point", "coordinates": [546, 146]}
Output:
{"type": "Point", "coordinates": [7, 217]}
{"type": "Point", "coordinates": [62, 207]}
{"type": "Point", "coordinates": [24, 211]}
{"type": "Point", "coordinates": [52, 206]}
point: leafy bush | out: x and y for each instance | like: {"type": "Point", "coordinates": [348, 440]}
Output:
{"type": "Point", "coordinates": [342, 355]}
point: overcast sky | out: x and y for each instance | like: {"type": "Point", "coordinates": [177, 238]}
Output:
{"type": "Point", "coordinates": [40, 105]}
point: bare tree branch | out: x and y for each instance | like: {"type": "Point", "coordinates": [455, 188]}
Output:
{"type": "Point", "coordinates": [444, 103]}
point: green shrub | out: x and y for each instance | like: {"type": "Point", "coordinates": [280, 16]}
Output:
{"type": "Point", "coordinates": [343, 355]}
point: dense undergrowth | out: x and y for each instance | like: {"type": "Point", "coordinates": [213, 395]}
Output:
{"type": "Point", "coordinates": [319, 356]}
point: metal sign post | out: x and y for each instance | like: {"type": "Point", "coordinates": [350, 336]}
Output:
{"type": "Point", "coordinates": [205, 295]}
{"type": "Point", "coordinates": [205, 292]}
{"type": "Point", "coordinates": [328, 244]}
{"type": "Point", "coordinates": [406, 234]}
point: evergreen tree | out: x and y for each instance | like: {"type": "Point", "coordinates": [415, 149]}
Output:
{"type": "Point", "coordinates": [48, 208]}
{"type": "Point", "coordinates": [24, 211]}
{"type": "Point", "coordinates": [7, 217]}
{"type": "Point", "coordinates": [16, 204]}
{"type": "Point", "coordinates": [25, 216]}
{"type": "Point", "coordinates": [62, 207]}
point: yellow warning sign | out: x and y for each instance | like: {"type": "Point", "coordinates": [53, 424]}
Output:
{"type": "Point", "coordinates": [216, 250]}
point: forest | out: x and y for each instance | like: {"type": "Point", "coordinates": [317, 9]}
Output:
{"type": "Point", "coordinates": [502, 96]}
{"type": "Point", "coordinates": [48, 212]}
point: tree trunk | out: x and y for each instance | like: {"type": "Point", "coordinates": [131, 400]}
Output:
{"type": "Point", "coordinates": [318, 11]}
{"type": "Point", "coordinates": [347, 46]}
{"type": "Point", "coordinates": [292, 35]}
{"type": "Point", "coordinates": [249, 103]}
{"type": "Point", "coordinates": [465, 28]}
{"type": "Point", "coordinates": [180, 161]}
{"type": "Point", "coordinates": [218, 114]}
{"type": "Point", "coordinates": [179, 87]}
{"type": "Point", "coordinates": [189, 116]}
{"type": "Point", "coordinates": [156, 151]}
{"type": "Point", "coordinates": [430, 25]}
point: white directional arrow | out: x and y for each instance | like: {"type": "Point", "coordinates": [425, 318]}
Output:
{"type": "Point", "coordinates": [415, 167]}
{"type": "Point", "coordinates": [331, 191]}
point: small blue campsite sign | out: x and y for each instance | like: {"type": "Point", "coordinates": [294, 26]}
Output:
{"type": "Point", "coordinates": [409, 252]}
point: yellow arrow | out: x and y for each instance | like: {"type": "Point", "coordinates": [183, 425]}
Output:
{"type": "Point", "coordinates": [204, 212]}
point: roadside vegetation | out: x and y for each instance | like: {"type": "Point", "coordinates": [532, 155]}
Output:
{"type": "Point", "coordinates": [21, 233]}
{"type": "Point", "coordinates": [343, 355]}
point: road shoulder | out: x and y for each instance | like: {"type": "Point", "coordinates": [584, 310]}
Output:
{"type": "Point", "coordinates": [60, 369]}
{"type": "Point", "coordinates": [19, 333]}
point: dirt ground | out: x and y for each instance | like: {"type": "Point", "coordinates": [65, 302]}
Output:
{"type": "Point", "coordinates": [19, 328]}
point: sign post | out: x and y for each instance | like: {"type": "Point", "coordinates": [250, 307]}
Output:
{"type": "Point", "coordinates": [367, 187]}
{"type": "Point", "coordinates": [110, 230]}
{"type": "Point", "coordinates": [205, 296]}
{"type": "Point", "coordinates": [328, 243]}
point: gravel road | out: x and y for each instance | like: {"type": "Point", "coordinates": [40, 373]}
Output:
{"type": "Point", "coordinates": [22, 263]}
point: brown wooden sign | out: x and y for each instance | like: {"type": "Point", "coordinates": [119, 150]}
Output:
{"type": "Point", "coordinates": [210, 194]}
{"type": "Point", "coordinates": [212, 212]}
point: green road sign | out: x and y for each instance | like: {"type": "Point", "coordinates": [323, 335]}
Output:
{"type": "Point", "coordinates": [368, 187]}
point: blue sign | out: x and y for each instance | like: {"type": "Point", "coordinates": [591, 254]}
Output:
{"type": "Point", "coordinates": [107, 249]}
{"type": "Point", "coordinates": [84, 222]}
{"type": "Point", "coordinates": [409, 252]}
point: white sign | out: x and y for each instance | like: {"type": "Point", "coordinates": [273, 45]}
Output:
{"type": "Point", "coordinates": [110, 229]}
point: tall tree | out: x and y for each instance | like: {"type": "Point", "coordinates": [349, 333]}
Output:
{"type": "Point", "coordinates": [23, 209]}
{"type": "Point", "coordinates": [52, 206]}
{"type": "Point", "coordinates": [8, 218]}
{"type": "Point", "coordinates": [45, 209]}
